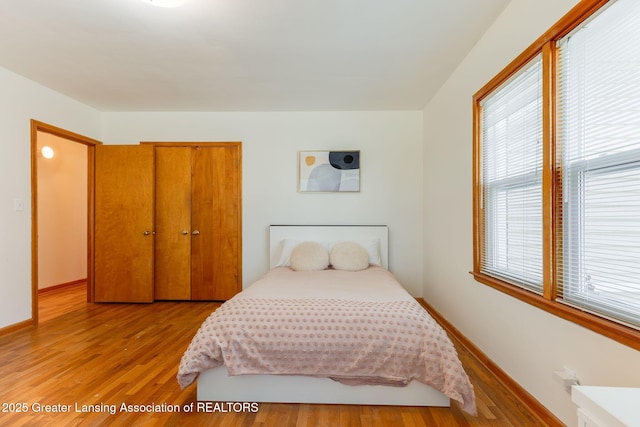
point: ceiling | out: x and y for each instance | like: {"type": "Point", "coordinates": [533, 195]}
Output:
{"type": "Point", "coordinates": [242, 55]}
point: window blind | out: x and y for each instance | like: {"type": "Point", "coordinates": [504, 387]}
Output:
{"type": "Point", "coordinates": [512, 179]}
{"type": "Point", "coordinates": [599, 135]}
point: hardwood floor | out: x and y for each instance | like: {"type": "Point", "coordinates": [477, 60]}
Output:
{"type": "Point", "coordinates": [58, 302]}
{"type": "Point", "coordinates": [98, 357]}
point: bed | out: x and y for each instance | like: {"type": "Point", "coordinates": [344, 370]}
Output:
{"type": "Point", "coordinates": [347, 333]}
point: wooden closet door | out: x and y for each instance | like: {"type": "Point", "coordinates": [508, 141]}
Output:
{"type": "Point", "coordinates": [124, 223]}
{"type": "Point", "coordinates": [216, 236]}
{"type": "Point", "coordinates": [173, 223]}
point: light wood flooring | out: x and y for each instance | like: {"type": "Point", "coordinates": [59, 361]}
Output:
{"type": "Point", "coordinates": [110, 354]}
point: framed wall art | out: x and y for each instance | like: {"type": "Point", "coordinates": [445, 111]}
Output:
{"type": "Point", "coordinates": [329, 171]}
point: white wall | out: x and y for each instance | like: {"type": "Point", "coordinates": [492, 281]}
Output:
{"type": "Point", "coordinates": [390, 145]}
{"type": "Point", "coordinates": [391, 175]}
{"type": "Point", "coordinates": [62, 212]}
{"type": "Point", "coordinates": [524, 341]}
{"type": "Point", "coordinates": [21, 101]}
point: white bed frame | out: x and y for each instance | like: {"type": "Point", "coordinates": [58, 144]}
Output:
{"type": "Point", "coordinates": [216, 385]}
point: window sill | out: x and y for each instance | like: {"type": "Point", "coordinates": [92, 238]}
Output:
{"type": "Point", "coordinates": [620, 333]}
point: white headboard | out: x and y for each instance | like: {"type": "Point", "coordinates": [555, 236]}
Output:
{"type": "Point", "coordinates": [323, 233]}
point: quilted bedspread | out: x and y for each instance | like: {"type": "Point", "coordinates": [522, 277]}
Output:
{"type": "Point", "coordinates": [349, 333]}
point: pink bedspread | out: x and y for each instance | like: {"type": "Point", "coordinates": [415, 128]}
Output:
{"type": "Point", "coordinates": [350, 333]}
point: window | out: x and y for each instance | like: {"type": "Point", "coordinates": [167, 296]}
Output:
{"type": "Point", "coordinates": [512, 177]}
{"type": "Point", "coordinates": [557, 172]}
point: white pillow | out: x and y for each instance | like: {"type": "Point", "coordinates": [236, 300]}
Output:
{"type": "Point", "coordinates": [350, 256]}
{"type": "Point", "coordinates": [309, 256]}
{"type": "Point", "coordinates": [284, 250]}
{"type": "Point", "coordinates": [373, 249]}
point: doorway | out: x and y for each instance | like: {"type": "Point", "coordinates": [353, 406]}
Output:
{"type": "Point", "coordinates": [58, 223]}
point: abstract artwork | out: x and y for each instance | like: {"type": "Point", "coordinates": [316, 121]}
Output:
{"type": "Point", "coordinates": [329, 171]}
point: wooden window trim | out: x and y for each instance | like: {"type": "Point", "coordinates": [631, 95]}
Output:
{"type": "Point", "coordinates": [545, 45]}
{"type": "Point", "coordinates": [564, 26]}
{"type": "Point", "coordinates": [616, 331]}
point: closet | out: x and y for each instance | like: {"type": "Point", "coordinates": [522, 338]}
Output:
{"type": "Point", "coordinates": [192, 249]}
{"type": "Point", "coordinates": [197, 222]}
{"type": "Point", "coordinates": [123, 223]}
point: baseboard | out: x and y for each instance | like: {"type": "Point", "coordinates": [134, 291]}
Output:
{"type": "Point", "coordinates": [15, 327]}
{"type": "Point", "coordinates": [61, 286]}
{"type": "Point", "coordinates": [518, 391]}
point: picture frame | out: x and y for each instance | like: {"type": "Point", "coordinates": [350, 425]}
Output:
{"type": "Point", "coordinates": [329, 171]}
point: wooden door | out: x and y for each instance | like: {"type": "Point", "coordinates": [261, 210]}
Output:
{"type": "Point", "coordinates": [173, 223]}
{"type": "Point", "coordinates": [124, 223]}
{"type": "Point", "coordinates": [216, 223]}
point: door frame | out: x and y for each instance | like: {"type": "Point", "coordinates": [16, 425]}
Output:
{"type": "Point", "coordinates": [38, 126]}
